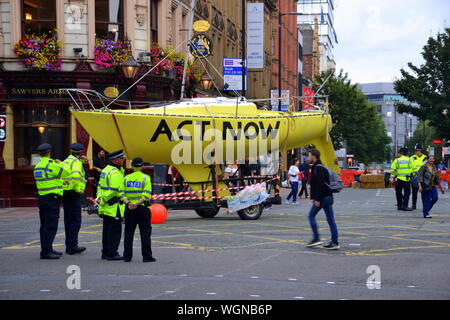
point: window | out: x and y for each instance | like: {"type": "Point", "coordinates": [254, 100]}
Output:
{"type": "Point", "coordinates": [38, 17]}
{"type": "Point", "coordinates": [109, 19]}
{"type": "Point", "coordinates": [154, 20]}
{"type": "Point", "coordinates": [37, 125]}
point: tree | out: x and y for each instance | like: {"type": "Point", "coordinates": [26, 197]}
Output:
{"type": "Point", "coordinates": [429, 85]}
{"type": "Point", "coordinates": [424, 136]}
{"type": "Point", "coordinates": [355, 120]}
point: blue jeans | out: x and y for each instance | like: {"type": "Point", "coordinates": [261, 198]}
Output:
{"type": "Point", "coordinates": [327, 205]}
{"type": "Point", "coordinates": [294, 191]}
{"type": "Point", "coordinates": [429, 198]}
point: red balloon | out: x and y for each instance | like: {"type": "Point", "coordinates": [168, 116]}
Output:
{"type": "Point", "coordinates": [159, 213]}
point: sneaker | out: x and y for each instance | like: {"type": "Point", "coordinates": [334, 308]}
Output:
{"type": "Point", "coordinates": [295, 202]}
{"type": "Point", "coordinates": [314, 243]}
{"type": "Point", "coordinates": [286, 201]}
{"type": "Point", "coordinates": [428, 217]}
{"type": "Point", "coordinates": [332, 246]}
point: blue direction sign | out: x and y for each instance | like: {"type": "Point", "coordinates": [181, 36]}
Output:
{"type": "Point", "coordinates": [232, 74]}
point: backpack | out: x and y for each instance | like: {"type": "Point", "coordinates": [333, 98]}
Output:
{"type": "Point", "coordinates": [336, 184]}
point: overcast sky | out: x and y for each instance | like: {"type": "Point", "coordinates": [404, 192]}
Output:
{"type": "Point", "coordinates": [378, 37]}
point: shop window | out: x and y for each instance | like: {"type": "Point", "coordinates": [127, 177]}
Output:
{"type": "Point", "coordinates": [38, 17]}
{"type": "Point", "coordinates": [154, 20]}
{"type": "Point", "coordinates": [109, 19]}
{"type": "Point", "coordinates": [37, 125]}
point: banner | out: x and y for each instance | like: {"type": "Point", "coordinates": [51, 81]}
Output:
{"type": "Point", "coordinates": [250, 196]}
{"type": "Point", "coordinates": [308, 92]}
{"type": "Point", "coordinates": [255, 35]}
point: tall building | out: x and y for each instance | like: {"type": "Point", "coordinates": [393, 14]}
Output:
{"type": "Point", "coordinates": [400, 127]}
{"type": "Point", "coordinates": [323, 11]}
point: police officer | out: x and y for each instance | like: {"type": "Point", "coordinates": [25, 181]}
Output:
{"type": "Point", "coordinates": [49, 175]}
{"type": "Point", "coordinates": [138, 189]}
{"type": "Point", "coordinates": [401, 168]}
{"type": "Point", "coordinates": [71, 197]}
{"type": "Point", "coordinates": [111, 198]}
{"type": "Point", "coordinates": [418, 160]}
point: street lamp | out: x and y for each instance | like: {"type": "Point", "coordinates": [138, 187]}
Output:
{"type": "Point", "coordinates": [130, 67]}
{"type": "Point", "coordinates": [206, 82]}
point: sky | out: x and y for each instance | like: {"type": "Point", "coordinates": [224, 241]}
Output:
{"type": "Point", "coordinates": [379, 37]}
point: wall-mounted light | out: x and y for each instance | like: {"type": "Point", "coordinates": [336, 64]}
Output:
{"type": "Point", "coordinates": [41, 126]}
{"type": "Point", "coordinates": [206, 82]}
{"type": "Point", "coordinates": [28, 16]}
{"type": "Point", "coordinates": [130, 67]}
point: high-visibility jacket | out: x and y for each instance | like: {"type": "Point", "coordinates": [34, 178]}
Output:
{"type": "Point", "coordinates": [418, 162]}
{"type": "Point", "coordinates": [49, 176]}
{"type": "Point", "coordinates": [77, 179]}
{"type": "Point", "coordinates": [402, 168]}
{"type": "Point", "coordinates": [110, 186]}
{"type": "Point", "coordinates": [138, 186]}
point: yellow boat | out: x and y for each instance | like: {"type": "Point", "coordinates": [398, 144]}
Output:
{"type": "Point", "coordinates": [185, 133]}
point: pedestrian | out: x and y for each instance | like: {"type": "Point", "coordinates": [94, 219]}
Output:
{"type": "Point", "coordinates": [99, 164]}
{"type": "Point", "coordinates": [304, 168]}
{"type": "Point", "coordinates": [428, 179]}
{"type": "Point", "coordinates": [442, 166]}
{"type": "Point", "coordinates": [402, 171]}
{"type": "Point", "coordinates": [321, 198]}
{"type": "Point", "coordinates": [417, 161]}
{"type": "Point", "coordinates": [111, 198]}
{"type": "Point", "coordinates": [49, 175]}
{"type": "Point", "coordinates": [138, 190]}
{"type": "Point", "coordinates": [293, 180]}
{"type": "Point", "coordinates": [73, 190]}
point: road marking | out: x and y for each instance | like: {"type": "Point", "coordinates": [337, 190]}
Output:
{"type": "Point", "coordinates": [255, 295]}
{"type": "Point", "coordinates": [171, 291]}
{"type": "Point", "coordinates": [45, 290]}
{"type": "Point", "coordinates": [126, 291]}
{"type": "Point", "coordinates": [219, 276]}
{"type": "Point", "coordinates": [85, 290]}
{"type": "Point", "coordinates": [331, 282]}
{"type": "Point", "coordinates": [254, 277]}
{"type": "Point", "coordinates": [411, 286]}
{"type": "Point", "coordinates": [211, 293]}
{"type": "Point", "coordinates": [182, 275]}
{"type": "Point", "coordinates": [354, 244]}
{"type": "Point", "coordinates": [299, 297]}
{"type": "Point", "coordinates": [3, 291]}
{"type": "Point", "coordinates": [292, 279]}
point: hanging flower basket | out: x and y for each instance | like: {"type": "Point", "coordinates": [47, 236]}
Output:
{"type": "Point", "coordinates": [39, 52]}
{"type": "Point", "coordinates": [109, 54]}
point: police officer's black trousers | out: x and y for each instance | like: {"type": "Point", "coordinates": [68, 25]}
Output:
{"type": "Point", "coordinates": [112, 232]}
{"type": "Point", "coordinates": [49, 215]}
{"type": "Point", "coordinates": [402, 191]}
{"type": "Point", "coordinates": [140, 216]}
{"type": "Point", "coordinates": [72, 218]}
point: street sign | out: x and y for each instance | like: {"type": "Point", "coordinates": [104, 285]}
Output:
{"type": "Point", "coordinates": [255, 35]}
{"type": "Point", "coordinates": [431, 151]}
{"type": "Point", "coordinates": [200, 46]}
{"type": "Point", "coordinates": [308, 92]}
{"type": "Point", "coordinates": [201, 26]}
{"type": "Point", "coordinates": [274, 100]}
{"type": "Point", "coordinates": [2, 128]}
{"type": "Point", "coordinates": [446, 150]}
{"type": "Point", "coordinates": [437, 141]}
{"type": "Point", "coordinates": [232, 74]}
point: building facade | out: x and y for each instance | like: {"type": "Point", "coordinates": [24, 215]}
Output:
{"type": "Point", "coordinates": [323, 11]}
{"type": "Point", "coordinates": [400, 127]}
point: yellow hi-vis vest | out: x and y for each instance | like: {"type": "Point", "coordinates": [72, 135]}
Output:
{"type": "Point", "coordinates": [138, 186]}
{"type": "Point", "coordinates": [110, 186]}
{"type": "Point", "coordinates": [418, 162]}
{"type": "Point", "coordinates": [76, 181]}
{"type": "Point", "coordinates": [402, 168]}
{"type": "Point", "coordinates": [49, 176]}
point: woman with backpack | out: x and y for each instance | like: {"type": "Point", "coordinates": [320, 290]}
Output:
{"type": "Point", "coordinates": [322, 198]}
{"type": "Point", "coordinates": [428, 179]}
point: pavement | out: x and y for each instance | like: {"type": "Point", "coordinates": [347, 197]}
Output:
{"type": "Point", "coordinates": [227, 258]}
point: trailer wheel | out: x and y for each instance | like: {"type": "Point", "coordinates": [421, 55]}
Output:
{"type": "Point", "coordinates": [251, 213]}
{"type": "Point", "coordinates": [207, 213]}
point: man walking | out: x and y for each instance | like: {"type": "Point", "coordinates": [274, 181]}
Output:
{"type": "Point", "coordinates": [401, 169]}
{"type": "Point", "coordinates": [417, 161]}
{"type": "Point", "coordinates": [304, 167]}
{"type": "Point", "coordinates": [322, 198]}
{"type": "Point", "coordinates": [112, 203]}
{"type": "Point", "coordinates": [71, 197]}
{"type": "Point", "coordinates": [49, 175]}
{"type": "Point", "coordinates": [138, 189]}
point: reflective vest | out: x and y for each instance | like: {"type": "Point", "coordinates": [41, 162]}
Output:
{"type": "Point", "coordinates": [418, 162]}
{"type": "Point", "coordinates": [402, 168]}
{"type": "Point", "coordinates": [138, 186]}
{"type": "Point", "coordinates": [76, 181]}
{"type": "Point", "coordinates": [49, 176]}
{"type": "Point", "coordinates": [110, 186]}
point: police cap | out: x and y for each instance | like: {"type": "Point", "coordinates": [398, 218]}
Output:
{"type": "Point", "coordinates": [44, 148]}
{"type": "Point", "coordinates": [116, 155]}
{"type": "Point", "coordinates": [76, 147]}
{"type": "Point", "coordinates": [137, 162]}
{"type": "Point", "coordinates": [418, 147]}
{"type": "Point", "coordinates": [403, 151]}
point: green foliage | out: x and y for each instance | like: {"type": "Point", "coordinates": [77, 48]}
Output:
{"type": "Point", "coordinates": [355, 120]}
{"type": "Point", "coordinates": [423, 135]}
{"type": "Point", "coordinates": [429, 85]}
